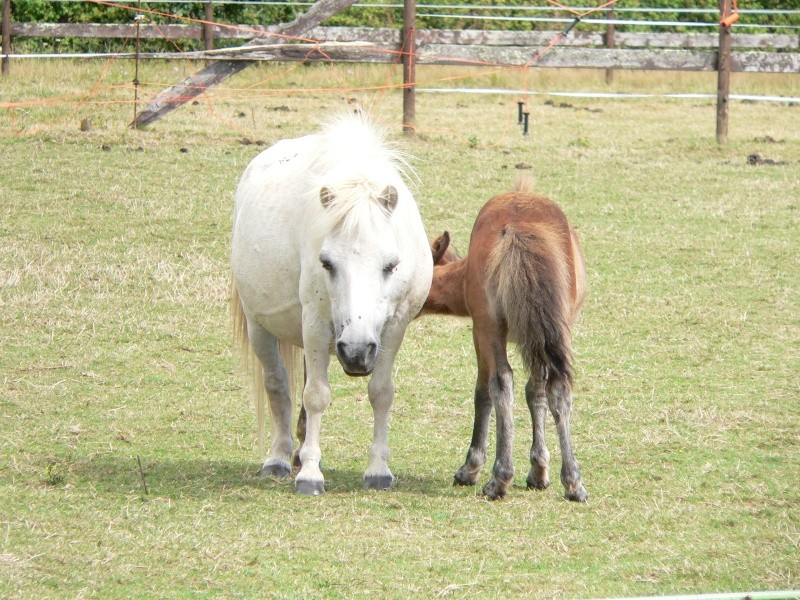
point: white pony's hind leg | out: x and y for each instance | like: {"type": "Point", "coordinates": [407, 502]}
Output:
{"type": "Point", "coordinates": [276, 383]}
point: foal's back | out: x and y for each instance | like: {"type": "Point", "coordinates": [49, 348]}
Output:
{"type": "Point", "coordinates": [546, 232]}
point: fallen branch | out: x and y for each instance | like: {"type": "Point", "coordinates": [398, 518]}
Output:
{"type": "Point", "coordinates": [219, 71]}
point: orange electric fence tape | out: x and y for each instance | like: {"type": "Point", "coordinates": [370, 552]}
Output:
{"type": "Point", "coordinates": [253, 89]}
{"type": "Point", "coordinates": [731, 18]}
{"type": "Point", "coordinates": [523, 103]}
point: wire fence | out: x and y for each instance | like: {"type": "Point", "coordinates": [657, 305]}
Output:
{"type": "Point", "coordinates": [512, 16]}
{"type": "Point", "coordinates": [472, 49]}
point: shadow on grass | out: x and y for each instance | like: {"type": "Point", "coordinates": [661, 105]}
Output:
{"type": "Point", "coordinates": [199, 478]}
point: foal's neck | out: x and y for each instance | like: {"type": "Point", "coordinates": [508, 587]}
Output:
{"type": "Point", "coordinates": [447, 290]}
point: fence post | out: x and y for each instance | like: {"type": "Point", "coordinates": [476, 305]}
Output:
{"type": "Point", "coordinates": [208, 28]}
{"type": "Point", "coordinates": [723, 73]}
{"type": "Point", "coordinates": [6, 34]}
{"type": "Point", "coordinates": [611, 42]}
{"type": "Point", "coordinates": [408, 49]}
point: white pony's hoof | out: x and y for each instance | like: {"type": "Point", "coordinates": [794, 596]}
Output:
{"type": "Point", "coordinates": [379, 482]}
{"type": "Point", "coordinates": [276, 469]}
{"type": "Point", "coordinates": [309, 488]}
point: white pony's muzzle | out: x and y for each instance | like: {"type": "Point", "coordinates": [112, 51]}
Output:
{"type": "Point", "coordinates": [356, 357]}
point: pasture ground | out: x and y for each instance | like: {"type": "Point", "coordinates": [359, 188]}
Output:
{"type": "Point", "coordinates": [116, 349]}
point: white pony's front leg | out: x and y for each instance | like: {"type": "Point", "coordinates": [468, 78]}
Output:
{"type": "Point", "coordinates": [381, 395]}
{"type": "Point", "coordinates": [316, 398]}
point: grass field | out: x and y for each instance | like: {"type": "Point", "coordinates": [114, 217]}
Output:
{"type": "Point", "coordinates": [117, 369]}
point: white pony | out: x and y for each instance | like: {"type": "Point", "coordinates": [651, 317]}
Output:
{"type": "Point", "coordinates": [328, 254]}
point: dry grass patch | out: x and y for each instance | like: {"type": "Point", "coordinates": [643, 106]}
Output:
{"type": "Point", "coordinates": [116, 346]}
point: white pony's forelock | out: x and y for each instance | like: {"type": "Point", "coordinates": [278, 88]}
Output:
{"type": "Point", "coordinates": [356, 161]}
{"type": "Point", "coordinates": [361, 138]}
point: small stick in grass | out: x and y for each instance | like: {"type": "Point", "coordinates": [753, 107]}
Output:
{"type": "Point", "coordinates": [141, 472]}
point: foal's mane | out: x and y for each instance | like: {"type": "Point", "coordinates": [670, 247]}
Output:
{"type": "Point", "coordinates": [356, 161]}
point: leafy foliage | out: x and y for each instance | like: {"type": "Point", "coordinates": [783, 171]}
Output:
{"type": "Point", "coordinates": [429, 16]}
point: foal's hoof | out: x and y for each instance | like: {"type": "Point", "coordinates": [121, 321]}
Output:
{"type": "Point", "coordinates": [309, 488]}
{"type": "Point", "coordinates": [379, 482]}
{"type": "Point", "coordinates": [275, 469]}
{"type": "Point", "coordinates": [578, 495]}
{"type": "Point", "coordinates": [464, 477]}
{"type": "Point", "coordinates": [538, 481]}
{"type": "Point", "coordinates": [494, 490]}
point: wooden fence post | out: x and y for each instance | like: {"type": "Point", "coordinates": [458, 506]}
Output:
{"type": "Point", "coordinates": [723, 73]}
{"type": "Point", "coordinates": [611, 41]}
{"type": "Point", "coordinates": [409, 47]}
{"type": "Point", "coordinates": [208, 28]}
{"type": "Point", "coordinates": [6, 34]}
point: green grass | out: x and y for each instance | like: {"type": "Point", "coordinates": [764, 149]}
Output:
{"type": "Point", "coordinates": [116, 347]}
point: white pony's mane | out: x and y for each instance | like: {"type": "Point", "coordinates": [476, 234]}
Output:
{"type": "Point", "coordinates": [356, 162]}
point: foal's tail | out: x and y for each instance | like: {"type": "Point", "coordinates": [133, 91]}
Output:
{"type": "Point", "coordinates": [291, 356]}
{"type": "Point", "coordinates": [529, 285]}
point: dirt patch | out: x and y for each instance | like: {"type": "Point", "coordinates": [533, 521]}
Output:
{"type": "Point", "coordinates": [572, 106]}
{"type": "Point", "coordinates": [757, 159]}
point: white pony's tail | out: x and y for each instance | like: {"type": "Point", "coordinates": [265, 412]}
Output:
{"type": "Point", "coordinates": [292, 356]}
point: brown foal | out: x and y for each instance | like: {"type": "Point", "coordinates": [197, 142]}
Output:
{"type": "Point", "coordinates": [523, 280]}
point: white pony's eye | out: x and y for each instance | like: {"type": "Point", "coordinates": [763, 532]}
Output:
{"type": "Point", "coordinates": [327, 265]}
{"type": "Point", "coordinates": [389, 268]}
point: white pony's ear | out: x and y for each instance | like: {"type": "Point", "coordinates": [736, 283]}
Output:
{"type": "Point", "coordinates": [388, 198]}
{"type": "Point", "coordinates": [326, 196]}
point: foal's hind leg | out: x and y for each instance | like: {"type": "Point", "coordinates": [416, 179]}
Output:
{"type": "Point", "coordinates": [476, 455]}
{"type": "Point", "coordinates": [501, 389]}
{"type": "Point", "coordinates": [276, 383]}
{"type": "Point", "coordinates": [495, 388]}
{"type": "Point", "coordinates": [559, 396]}
{"type": "Point", "coordinates": [535, 396]}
